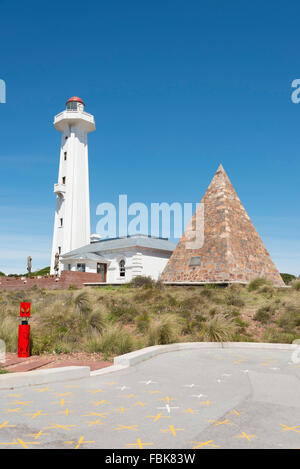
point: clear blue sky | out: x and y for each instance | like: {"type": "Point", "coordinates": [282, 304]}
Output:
{"type": "Point", "coordinates": [176, 87]}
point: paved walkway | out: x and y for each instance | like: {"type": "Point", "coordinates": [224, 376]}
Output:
{"type": "Point", "coordinates": [15, 364]}
{"type": "Point", "coordinates": [188, 399]}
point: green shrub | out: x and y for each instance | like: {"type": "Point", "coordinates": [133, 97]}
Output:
{"type": "Point", "coordinates": [165, 331]}
{"type": "Point", "coordinates": [143, 322]}
{"type": "Point", "coordinates": [61, 347]}
{"type": "Point", "coordinates": [296, 285]}
{"type": "Point", "coordinates": [97, 322]}
{"type": "Point", "coordinates": [123, 311]}
{"type": "Point", "coordinates": [262, 315]}
{"type": "Point", "coordinates": [267, 290]}
{"type": "Point", "coordinates": [141, 281]}
{"type": "Point", "coordinates": [9, 333]}
{"type": "Point", "coordinates": [258, 282]}
{"type": "Point", "coordinates": [274, 336]}
{"type": "Point", "coordinates": [289, 321]}
{"type": "Point", "coordinates": [82, 303]}
{"type": "Point", "coordinates": [234, 299]}
{"type": "Point", "coordinates": [218, 329]}
{"type": "Point", "coordinates": [72, 286]}
{"type": "Point", "coordinates": [143, 296]}
{"type": "Point", "coordinates": [114, 341]}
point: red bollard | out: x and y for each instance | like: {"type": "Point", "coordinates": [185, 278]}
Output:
{"type": "Point", "coordinates": [24, 338]}
{"type": "Point", "coordinates": [24, 331]}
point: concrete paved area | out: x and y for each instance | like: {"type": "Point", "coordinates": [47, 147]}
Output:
{"type": "Point", "coordinates": [187, 399]}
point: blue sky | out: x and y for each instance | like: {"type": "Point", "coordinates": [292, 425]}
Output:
{"type": "Point", "coordinates": [176, 87]}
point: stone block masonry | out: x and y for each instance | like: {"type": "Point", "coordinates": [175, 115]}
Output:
{"type": "Point", "coordinates": [232, 250]}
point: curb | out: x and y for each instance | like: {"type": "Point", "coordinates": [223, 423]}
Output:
{"type": "Point", "coordinates": [133, 358]}
{"type": "Point", "coordinates": [55, 375]}
{"type": "Point", "coordinates": [51, 375]}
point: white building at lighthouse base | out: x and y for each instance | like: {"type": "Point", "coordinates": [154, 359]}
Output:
{"type": "Point", "coordinates": [119, 260]}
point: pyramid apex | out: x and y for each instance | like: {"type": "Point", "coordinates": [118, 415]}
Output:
{"type": "Point", "coordinates": [220, 168]}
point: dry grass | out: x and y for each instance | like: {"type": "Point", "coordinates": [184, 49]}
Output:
{"type": "Point", "coordinates": [113, 320]}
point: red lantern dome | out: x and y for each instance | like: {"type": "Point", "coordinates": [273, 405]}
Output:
{"type": "Point", "coordinates": [75, 99]}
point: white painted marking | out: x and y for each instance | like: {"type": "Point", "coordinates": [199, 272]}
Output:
{"type": "Point", "coordinates": [168, 408]}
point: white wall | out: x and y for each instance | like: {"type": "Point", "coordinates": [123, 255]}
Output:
{"type": "Point", "coordinates": [146, 262]}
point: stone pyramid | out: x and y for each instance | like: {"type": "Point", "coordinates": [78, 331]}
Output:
{"type": "Point", "coordinates": [220, 244]}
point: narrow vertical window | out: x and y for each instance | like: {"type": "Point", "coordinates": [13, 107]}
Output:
{"type": "Point", "coordinates": [122, 268]}
{"type": "Point", "coordinates": [64, 180]}
{"type": "Point", "coordinates": [65, 156]}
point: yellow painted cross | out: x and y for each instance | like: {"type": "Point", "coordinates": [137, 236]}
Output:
{"type": "Point", "coordinates": [292, 429]}
{"type": "Point", "coordinates": [244, 435]}
{"type": "Point", "coordinates": [5, 424]}
{"type": "Point", "coordinates": [168, 399]}
{"type": "Point", "coordinates": [61, 394]}
{"type": "Point", "coordinates": [65, 412]}
{"type": "Point", "coordinates": [95, 422]}
{"type": "Point", "coordinates": [172, 430]}
{"type": "Point", "coordinates": [96, 403]}
{"type": "Point", "coordinates": [142, 404]}
{"type": "Point", "coordinates": [18, 409]}
{"type": "Point", "coordinates": [22, 402]}
{"type": "Point", "coordinates": [92, 414]}
{"type": "Point", "coordinates": [208, 403]}
{"type": "Point", "coordinates": [79, 442]}
{"type": "Point", "coordinates": [95, 391]}
{"type": "Point", "coordinates": [139, 444]}
{"type": "Point", "coordinates": [37, 435]}
{"type": "Point", "coordinates": [57, 425]}
{"type": "Point", "coordinates": [42, 389]}
{"type": "Point", "coordinates": [121, 409]}
{"type": "Point", "coordinates": [217, 423]}
{"type": "Point", "coordinates": [24, 444]}
{"type": "Point", "coordinates": [36, 414]}
{"type": "Point", "coordinates": [62, 402]}
{"type": "Point", "coordinates": [158, 416]}
{"type": "Point", "coordinates": [190, 411]}
{"type": "Point", "coordinates": [205, 443]}
{"type": "Point", "coordinates": [125, 427]}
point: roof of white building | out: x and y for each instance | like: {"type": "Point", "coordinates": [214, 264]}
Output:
{"type": "Point", "coordinates": [96, 249]}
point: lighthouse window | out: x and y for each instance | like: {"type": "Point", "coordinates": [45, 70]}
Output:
{"type": "Point", "coordinates": [59, 250]}
{"type": "Point", "coordinates": [72, 106]}
{"type": "Point", "coordinates": [61, 221]}
{"type": "Point", "coordinates": [64, 180]}
{"type": "Point", "coordinates": [122, 268]}
{"type": "Point", "coordinates": [65, 155]}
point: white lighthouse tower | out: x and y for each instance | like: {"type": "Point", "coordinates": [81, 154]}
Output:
{"type": "Point", "coordinates": [72, 214]}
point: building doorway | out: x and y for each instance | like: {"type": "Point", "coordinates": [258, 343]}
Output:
{"type": "Point", "coordinates": [101, 270]}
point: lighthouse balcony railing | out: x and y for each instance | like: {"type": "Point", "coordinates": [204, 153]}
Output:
{"type": "Point", "coordinates": [73, 112]}
{"type": "Point", "coordinates": [59, 189]}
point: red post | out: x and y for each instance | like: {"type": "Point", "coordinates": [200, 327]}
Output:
{"type": "Point", "coordinates": [24, 331]}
